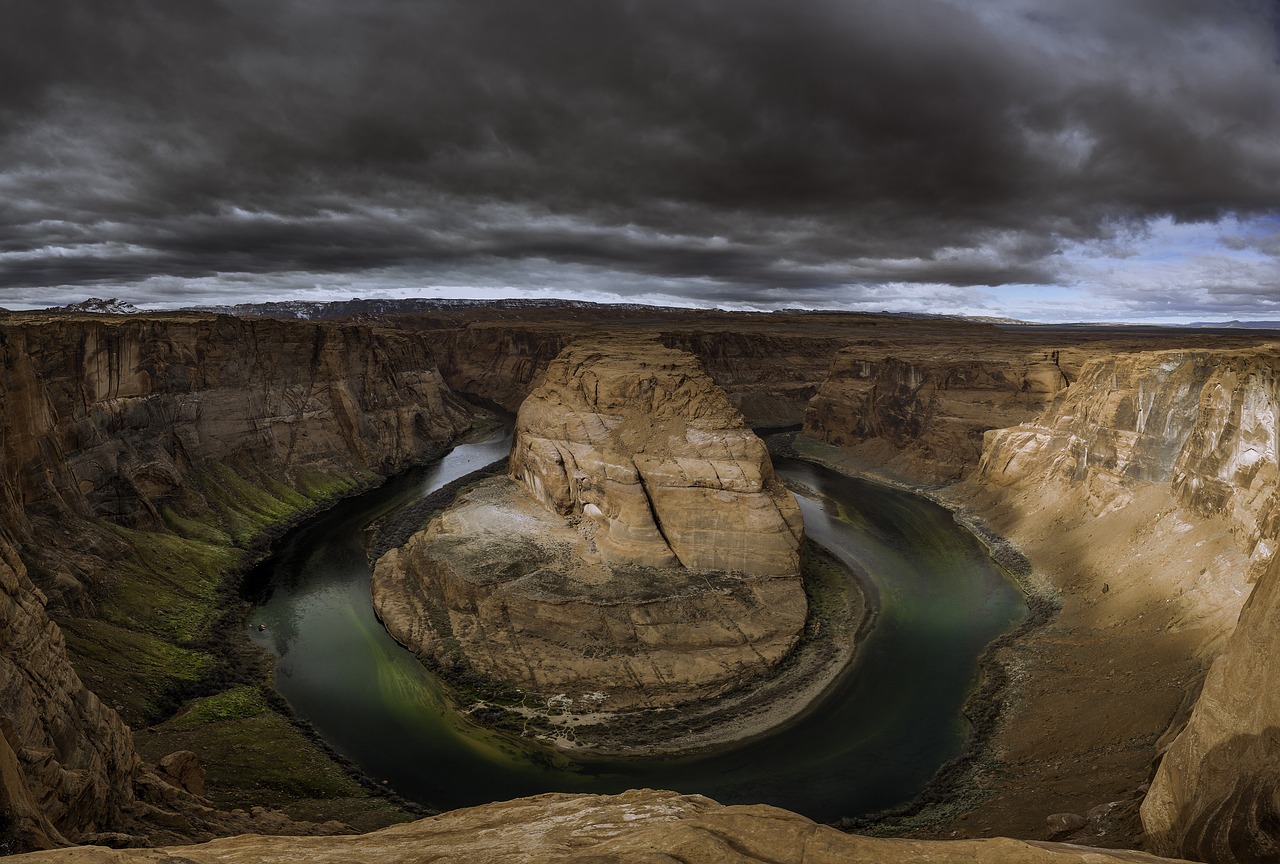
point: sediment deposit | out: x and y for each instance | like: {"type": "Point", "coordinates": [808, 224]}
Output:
{"type": "Point", "coordinates": [642, 553]}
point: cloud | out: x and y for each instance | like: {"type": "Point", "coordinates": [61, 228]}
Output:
{"type": "Point", "coordinates": [704, 149]}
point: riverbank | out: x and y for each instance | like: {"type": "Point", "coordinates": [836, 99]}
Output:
{"type": "Point", "coordinates": [254, 748]}
{"type": "Point", "coordinates": [1074, 708]}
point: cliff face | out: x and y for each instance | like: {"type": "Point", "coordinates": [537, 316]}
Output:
{"type": "Point", "coordinates": [925, 416]}
{"type": "Point", "coordinates": [641, 826]}
{"type": "Point", "coordinates": [769, 377]}
{"type": "Point", "coordinates": [638, 440]}
{"type": "Point", "coordinates": [1203, 423]}
{"type": "Point", "coordinates": [1216, 795]}
{"type": "Point", "coordinates": [138, 458]}
{"type": "Point", "coordinates": [1145, 493]}
{"type": "Point", "coordinates": [64, 758]}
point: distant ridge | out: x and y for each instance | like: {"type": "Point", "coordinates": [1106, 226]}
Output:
{"type": "Point", "coordinates": [1237, 325]}
{"type": "Point", "coordinates": [99, 306]}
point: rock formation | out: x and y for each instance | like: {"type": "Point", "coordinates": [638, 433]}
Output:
{"type": "Point", "coordinates": [926, 416]}
{"type": "Point", "coordinates": [642, 826]}
{"type": "Point", "coordinates": [1216, 796]}
{"type": "Point", "coordinates": [636, 439]}
{"type": "Point", "coordinates": [1145, 493]}
{"type": "Point", "coordinates": [118, 431]}
{"type": "Point", "coordinates": [645, 556]}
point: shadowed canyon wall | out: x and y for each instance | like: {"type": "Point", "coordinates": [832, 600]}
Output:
{"type": "Point", "coordinates": [140, 459]}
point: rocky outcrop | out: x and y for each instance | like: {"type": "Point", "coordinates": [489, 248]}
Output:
{"type": "Point", "coordinates": [499, 586]}
{"type": "Point", "coordinates": [644, 556]}
{"type": "Point", "coordinates": [1203, 423]}
{"type": "Point", "coordinates": [926, 416]}
{"type": "Point", "coordinates": [639, 826]}
{"type": "Point", "coordinates": [1216, 795]}
{"type": "Point", "coordinates": [117, 433]}
{"type": "Point", "coordinates": [636, 439]}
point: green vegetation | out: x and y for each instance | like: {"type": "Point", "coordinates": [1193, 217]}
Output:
{"type": "Point", "coordinates": [132, 671]}
{"type": "Point", "coordinates": [254, 756]}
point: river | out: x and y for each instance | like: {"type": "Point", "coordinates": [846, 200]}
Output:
{"type": "Point", "coordinates": [874, 740]}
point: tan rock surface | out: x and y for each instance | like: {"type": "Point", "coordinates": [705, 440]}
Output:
{"type": "Point", "coordinates": [637, 440]}
{"type": "Point", "coordinates": [1216, 795]}
{"type": "Point", "coordinates": [647, 556]}
{"type": "Point", "coordinates": [1138, 495]}
{"type": "Point", "coordinates": [110, 422]}
{"type": "Point", "coordinates": [499, 583]}
{"type": "Point", "coordinates": [637, 826]}
{"type": "Point", "coordinates": [925, 415]}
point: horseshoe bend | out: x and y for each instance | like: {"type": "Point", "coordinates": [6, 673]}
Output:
{"type": "Point", "coordinates": [637, 579]}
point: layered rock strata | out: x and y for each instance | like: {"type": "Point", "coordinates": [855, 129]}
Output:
{"type": "Point", "coordinates": [1145, 494]}
{"type": "Point", "coordinates": [638, 440]}
{"type": "Point", "coordinates": [926, 416]}
{"type": "Point", "coordinates": [642, 826]}
{"type": "Point", "coordinates": [644, 554]}
{"type": "Point", "coordinates": [118, 434]}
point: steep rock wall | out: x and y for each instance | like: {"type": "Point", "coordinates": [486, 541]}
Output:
{"type": "Point", "coordinates": [769, 377]}
{"type": "Point", "coordinates": [926, 416]}
{"type": "Point", "coordinates": [1203, 423]}
{"type": "Point", "coordinates": [1216, 795]}
{"type": "Point", "coordinates": [1146, 493]}
{"type": "Point", "coordinates": [114, 434]}
{"type": "Point", "coordinates": [637, 439]}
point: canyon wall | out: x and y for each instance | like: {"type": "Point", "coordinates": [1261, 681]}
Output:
{"type": "Point", "coordinates": [922, 415]}
{"type": "Point", "coordinates": [769, 377]}
{"type": "Point", "coordinates": [1202, 423]}
{"type": "Point", "coordinates": [139, 459]}
{"type": "Point", "coordinates": [1146, 494]}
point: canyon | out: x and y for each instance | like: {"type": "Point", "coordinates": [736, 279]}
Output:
{"type": "Point", "coordinates": [148, 459]}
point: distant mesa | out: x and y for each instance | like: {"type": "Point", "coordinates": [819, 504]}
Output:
{"type": "Point", "coordinates": [641, 552]}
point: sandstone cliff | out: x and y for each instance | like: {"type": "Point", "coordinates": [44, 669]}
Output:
{"type": "Point", "coordinates": [769, 376]}
{"type": "Point", "coordinates": [646, 555]}
{"type": "Point", "coordinates": [1216, 796]}
{"type": "Point", "coordinates": [638, 440]}
{"type": "Point", "coordinates": [924, 416]}
{"type": "Point", "coordinates": [1144, 493]}
{"type": "Point", "coordinates": [140, 458]}
{"type": "Point", "coordinates": [641, 826]}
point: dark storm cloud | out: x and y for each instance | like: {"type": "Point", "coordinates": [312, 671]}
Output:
{"type": "Point", "coordinates": [737, 147]}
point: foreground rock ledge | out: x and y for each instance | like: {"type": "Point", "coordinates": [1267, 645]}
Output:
{"type": "Point", "coordinates": [642, 554]}
{"type": "Point", "coordinates": [636, 826]}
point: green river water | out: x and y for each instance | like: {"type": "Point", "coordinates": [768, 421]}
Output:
{"type": "Point", "coordinates": [874, 740]}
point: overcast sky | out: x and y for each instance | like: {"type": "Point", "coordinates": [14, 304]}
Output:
{"type": "Point", "coordinates": [1044, 159]}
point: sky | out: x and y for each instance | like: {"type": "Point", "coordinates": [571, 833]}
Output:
{"type": "Point", "coordinates": [1049, 160]}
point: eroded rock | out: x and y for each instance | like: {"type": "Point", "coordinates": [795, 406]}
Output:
{"type": "Point", "coordinates": [640, 441]}
{"type": "Point", "coordinates": [642, 826]}
{"type": "Point", "coordinates": [645, 554]}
